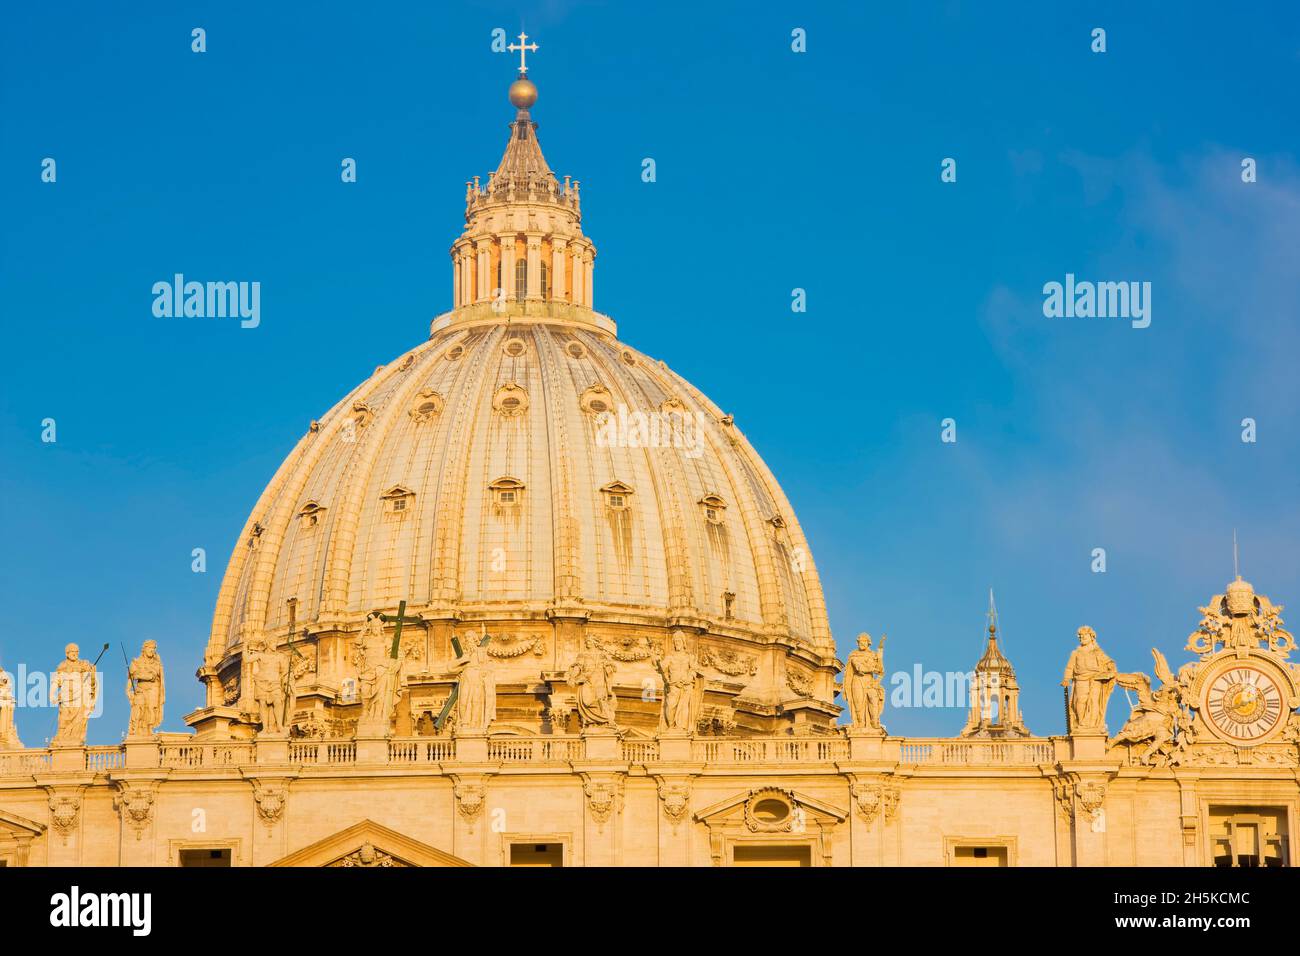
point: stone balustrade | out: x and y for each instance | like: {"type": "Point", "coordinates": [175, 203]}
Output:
{"type": "Point", "coordinates": [977, 753]}
{"type": "Point", "coordinates": [825, 750]}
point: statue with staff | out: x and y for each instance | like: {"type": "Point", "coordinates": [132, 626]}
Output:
{"type": "Point", "coordinates": [75, 689]}
{"type": "Point", "coordinates": [863, 690]}
{"type": "Point", "coordinates": [146, 690]}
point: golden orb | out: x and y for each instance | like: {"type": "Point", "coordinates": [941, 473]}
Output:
{"type": "Point", "coordinates": [523, 94]}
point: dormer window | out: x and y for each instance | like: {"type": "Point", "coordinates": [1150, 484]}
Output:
{"type": "Point", "coordinates": [310, 515]}
{"type": "Point", "coordinates": [713, 507]}
{"type": "Point", "coordinates": [397, 500]}
{"type": "Point", "coordinates": [617, 495]}
{"type": "Point", "coordinates": [507, 492]}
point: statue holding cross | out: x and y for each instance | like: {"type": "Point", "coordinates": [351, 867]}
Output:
{"type": "Point", "coordinates": [379, 669]}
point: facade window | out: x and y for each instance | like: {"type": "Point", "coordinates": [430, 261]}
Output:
{"type": "Point", "coordinates": [772, 855]}
{"type": "Point", "coordinates": [546, 278]}
{"type": "Point", "coordinates": [979, 856]}
{"type": "Point", "coordinates": [521, 278]}
{"type": "Point", "coordinates": [1248, 836]}
{"type": "Point", "coordinates": [205, 857]}
{"type": "Point", "coordinates": [537, 854]}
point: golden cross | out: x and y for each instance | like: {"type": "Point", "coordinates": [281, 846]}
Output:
{"type": "Point", "coordinates": [522, 47]}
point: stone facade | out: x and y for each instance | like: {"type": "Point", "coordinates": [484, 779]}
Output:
{"type": "Point", "coordinates": [527, 597]}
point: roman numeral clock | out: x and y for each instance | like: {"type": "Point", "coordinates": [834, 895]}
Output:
{"type": "Point", "coordinates": [1243, 702]}
{"type": "Point", "coordinates": [1244, 688]}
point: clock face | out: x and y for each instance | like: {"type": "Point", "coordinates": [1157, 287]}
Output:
{"type": "Point", "coordinates": [1245, 703]}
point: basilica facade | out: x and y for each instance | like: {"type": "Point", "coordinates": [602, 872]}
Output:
{"type": "Point", "coordinates": [526, 597]}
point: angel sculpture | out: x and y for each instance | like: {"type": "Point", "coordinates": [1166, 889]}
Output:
{"type": "Point", "coordinates": [1155, 719]}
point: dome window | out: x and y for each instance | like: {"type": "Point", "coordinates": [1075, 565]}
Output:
{"type": "Point", "coordinates": [362, 415]}
{"type": "Point", "coordinates": [510, 400]}
{"type": "Point", "coordinates": [515, 348]}
{"type": "Point", "coordinates": [521, 279]}
{"type": "Point", "coordinates": [455, 352]}
{"type": "Point", "coordinates": [576, 350]}
{"type": "Point", "coordinates": [397, 501]}
{"type": "Point", "coordinates": [616, 495]}
{"type": "Point", "coordinates": [629, 359]}
{"type": "Point", "coordinates": [428, 405]}
{"type": "Point", "coordinates": [596, 400]}
{"type": "Point", "coordinates": [310, 515]}
{"type": "Point", "coordinates": [507, 492]}
{"type": "Point", "coordinates": [713, 507]}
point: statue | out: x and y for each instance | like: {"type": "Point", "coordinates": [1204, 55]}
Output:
{"type": "Point", "coordinates": [476, 694]}
{"type": "Point", "coordinates": [75, 687]}
{"type": "Point", "coordinates": [270, 681]}
{"type": "Point", "coordinates": [1093, 674]}
{"type": "Point", "coordinates": [590, 673]}
{"type": "Point", "coordinates": [8, 732]}
{"type": "Point", "coordinates": [1155, 718]}
{"type": "Point", "coordinates": [682, 685]}
{"type": "Point", "coordinates": [376, 676]}
{"type": "Point", "coordinates": [863, 691]}
{"type": "Point", "coordinates": [146, 691]}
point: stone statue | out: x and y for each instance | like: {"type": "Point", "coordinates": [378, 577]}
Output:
{"type": "Point", "coordinates": [75, 687]}
{"type": "Point", "coordinates": [376, 676]}
{"type": "Point", "coordinates": [146, 691]}
{"type": "Point", "coordinates": [1154, 720]}
{"type": "Point", "coordinates": [863, 690]}
{"type": "Point", "coordinates": [682, 685]}
{"type": "Point", "coordinates": [8, 702]}
{"type": "Point", "coordinates": [269, 682]}
{"type": "Point", "coordinates": [476, 694]}
{"type": "Point", "coordinates": [591, 673]}
{"type": "Point", "coordinates": [1093, 675]}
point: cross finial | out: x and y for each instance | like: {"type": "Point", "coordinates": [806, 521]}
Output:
{"type": "Point", "coordinates": [993, 614]}
{"type": "Point", "coordinates": [523, 48]}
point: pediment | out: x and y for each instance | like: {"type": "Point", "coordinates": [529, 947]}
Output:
{"type": "Point", "coordinates": [12, 826]}
{"type": "Point", "coordinates": [370, 844]}
{"type": "Point", "coordinates": [759, 810]}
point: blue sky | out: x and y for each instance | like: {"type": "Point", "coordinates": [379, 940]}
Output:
{"type": "Point", "coordinates": [775, 170]}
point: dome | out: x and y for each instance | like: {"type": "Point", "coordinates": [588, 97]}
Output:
{"type": "Point", "coordinates": [525, 473]}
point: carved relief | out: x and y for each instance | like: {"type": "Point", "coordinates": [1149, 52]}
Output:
{"type": "Point", "coordinates": [872, 797]}
{"type": "Point", "coordinates": [729, 662]}
{"type": "Point", "coordinates": [507, 646]}
{"type": "Point", "coordinates": [630, 649]}
{"type": "Point", "coordinates": [65, 810]}
{"type": "Point", "coordinates": [799, 682]}
{"type": "Point", "coordinates": [602, 799]}
{"type": "Point", "coordinates": [136, 806]}
{"type": "Point", "coordinates": [270, 803]}
{"type": "Point", "coordinates": [470, 797]}
{"type": "Point", "coordinates": [676, 800]}
{"type": "Point", "coordinates": [367, 856]}
{"type": "Point", "coordinates": [1240, 618]}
